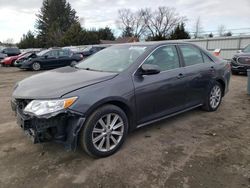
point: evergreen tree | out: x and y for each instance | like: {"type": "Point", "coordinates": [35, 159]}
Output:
{"type": "Point", "coordinates": [127, 32]}
{"type": "Point", "coordinates": [74, 35]}
{"type": "Point", "coordinates": [211, 35]}
{"type": "Point", "coordinates": [228, 34]}
{"type": "Point", "coordinates": [53, 21]}
{"type": "Point", "coordinates": [179, 32]}
{"type": "Point", "coordinates": [28, 41]}
{"type": "Point", "coordinates": [105, 34]}
{"type": "Point", "coordinates": [90, 37]}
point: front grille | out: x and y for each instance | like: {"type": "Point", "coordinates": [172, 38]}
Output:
{"type": "Point", "coordinates": [244, 60]}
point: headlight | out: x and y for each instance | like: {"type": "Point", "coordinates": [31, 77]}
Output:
{"type": "Point", "coordinates": [42, 107]}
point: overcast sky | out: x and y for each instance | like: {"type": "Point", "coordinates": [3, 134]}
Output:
{"type": "Point", "coordinates": [18, 16]}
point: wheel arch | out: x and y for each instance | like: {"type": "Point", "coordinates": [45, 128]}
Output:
{"type": "Point", "coordinates": [117, 101]}
{"type": "Point", "coordinates": [36, 61]}
{"type": "Point", "coordinates": [222, 82]}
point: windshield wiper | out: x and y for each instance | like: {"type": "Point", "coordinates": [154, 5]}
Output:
{"type": "Point", "coordinates": [89, 69]}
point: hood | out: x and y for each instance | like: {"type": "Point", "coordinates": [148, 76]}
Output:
{"type": "Point", "coordinates": [11, 58]}
{"type": "Point", "coordinates": [57, 82]}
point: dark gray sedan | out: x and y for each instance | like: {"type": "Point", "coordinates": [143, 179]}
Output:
{"type": "Point", "coordinates": [123, 87]}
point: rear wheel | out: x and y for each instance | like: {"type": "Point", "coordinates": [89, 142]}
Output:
{"type": "Point", "coordinates": [214, 97]}
{"type": "Point", "coordinates": [104, 132]}
{"type": "Point", "coordinates": [36, 66]}
{"type": "Point", "coordinates": [73, 63]}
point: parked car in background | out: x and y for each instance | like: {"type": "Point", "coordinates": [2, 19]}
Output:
{"type": "Point", "coordinates": [11, 51]}
{"type": "Point", "coordinates": [2, 56]}
{"type": "Point", "coordinates": [90, 50]}
{"type": "Point", "coordinates": [9, 61]}
{"type": "Point", "coordinates": [74, 49]}
{"type": "Point", "coordinates": [98, 101]}
{"type": "Point", "coordinates": [52, 58]}
{"type": "Point", "coordinates": [241, 61]}
{"type": "Point", "coordinates": [26, 56]}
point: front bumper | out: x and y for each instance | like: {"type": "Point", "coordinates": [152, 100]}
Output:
{"type": "Point", "coordinates": [24, 66]}
{"type": "Point", "coordinates": [62, 127]}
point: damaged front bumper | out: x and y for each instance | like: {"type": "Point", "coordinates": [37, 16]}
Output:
{"type": "Point", "coordinates": [62, 127]}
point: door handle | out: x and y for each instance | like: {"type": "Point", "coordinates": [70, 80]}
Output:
{"type": "Point", "coordinates": [180, 76]}
{"type": "Point", "coordinates": [212, 69]}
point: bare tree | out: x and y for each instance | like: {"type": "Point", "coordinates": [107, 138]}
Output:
{"type": "Point", "coordinates": [131, 21]}
{"type": "Point", "coordinates": [221, 30]}
{"type": "Point", "coordinates": [198, 28]}
{"type": "Point", "coordinates": [161, 22]}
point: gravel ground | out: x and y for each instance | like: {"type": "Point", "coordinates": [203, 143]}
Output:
{"type": "Point", "coordinates": [194, 149]}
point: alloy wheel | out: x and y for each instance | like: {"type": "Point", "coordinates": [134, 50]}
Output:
{"type": "Point", "coordinates": [108, 132]}
{"type": "Point", "coordinates": [215, 96]}
{"type": "Point", "coordinates": [36, 66]}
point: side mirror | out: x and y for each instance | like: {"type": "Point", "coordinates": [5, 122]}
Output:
{"type": "Point", "coordinates": [239, 51]}
{"type": "Point", "coordinates": [46, 57]}
{"type": "Point", "coordinates": [148, 69]}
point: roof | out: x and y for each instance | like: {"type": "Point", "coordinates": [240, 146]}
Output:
{"type": "Point", "coordinates": [120, 40]}
{"type": "Point", "coordinates": [155, 43]}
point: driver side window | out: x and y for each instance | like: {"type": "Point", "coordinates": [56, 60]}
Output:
{"type": "Point", "coordinates": [53, 53]}
{"type": "Point", "coordinates": [165, 57]}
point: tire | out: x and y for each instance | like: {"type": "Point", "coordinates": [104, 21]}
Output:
{"type": "Point", "coordinates": [73, 63]}
{"type": "Point", "coordinates": [96, 143]}
{"type": "Point", "coordinates": [12, 64]}
{"type": "Point", "coordinates": [213, 98]}
{"type": "Point", "coordinates": [36, 66]}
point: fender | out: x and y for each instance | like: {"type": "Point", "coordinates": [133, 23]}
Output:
{"type": "Point", "coordinates": [125, 105]}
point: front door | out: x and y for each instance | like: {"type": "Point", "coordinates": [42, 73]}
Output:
{"type": "Point", "coordinates": [164, 93]}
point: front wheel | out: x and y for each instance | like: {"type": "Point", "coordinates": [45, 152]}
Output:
{"type": "Point", "coordinates": [36, 66]}
{"type": "Point", "coordinates": [104, 132]}
{"type": "Point", "coordinates": [214, 97]}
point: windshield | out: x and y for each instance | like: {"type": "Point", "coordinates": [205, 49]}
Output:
{"type": "Point", "coordinates": [247, 49]}
{"type": "Point", "coordinates": [42, 52]}
{"type": "Point", "coordinates": [87, 49]}
{"type": "Point", "coordinates": [113, 59]}
{"type": "Point", "coordinates": [27, 54]}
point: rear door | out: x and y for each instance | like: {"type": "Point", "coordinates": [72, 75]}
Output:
{"type": "Point", "coordinates": [50, 59]}
{"type": "Point", "coordinates": [199, 71]}
{"type": "Point", "coordinates": [64, 58]}
{"type": "Point", "coordinates": [164, 93]}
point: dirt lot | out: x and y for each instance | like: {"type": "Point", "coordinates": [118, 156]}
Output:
{"type": "Point", "coordinates": [194, 149]}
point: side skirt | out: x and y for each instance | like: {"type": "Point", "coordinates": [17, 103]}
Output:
{"type": "Point", "coordinates": [168, 116]}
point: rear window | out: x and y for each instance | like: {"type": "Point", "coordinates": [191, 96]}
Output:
{"type": "Point", "coordinates": [206, 58]}
{"type": "Point", "coordinates": [191, 55]}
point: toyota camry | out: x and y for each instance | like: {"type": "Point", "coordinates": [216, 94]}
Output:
{"type": "Point", "coordinates": [97, 102]}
